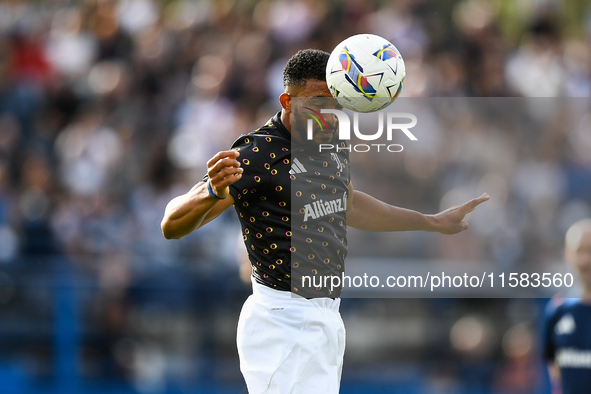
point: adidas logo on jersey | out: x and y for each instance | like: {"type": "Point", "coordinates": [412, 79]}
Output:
{"type": "Point", "coordinates": [297, 167]}
{"type": "Point", "coordinates": [340, 165]}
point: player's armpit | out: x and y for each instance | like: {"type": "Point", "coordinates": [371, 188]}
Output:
{"type": "Point", "coordinates": [350, 196]}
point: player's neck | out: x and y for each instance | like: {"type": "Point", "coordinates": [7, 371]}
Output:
{"type": "Point", "coordinates": [286, 121]}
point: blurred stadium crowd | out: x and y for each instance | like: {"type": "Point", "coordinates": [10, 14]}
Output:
{"type": "Point", "coordinates": [108, 109]}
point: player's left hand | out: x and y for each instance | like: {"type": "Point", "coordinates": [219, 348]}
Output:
{"type": "Point", "coordinates": [451, 221]}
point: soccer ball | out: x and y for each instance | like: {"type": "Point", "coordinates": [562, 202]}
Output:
{"type": "Point", "coordinates": [365, 73]}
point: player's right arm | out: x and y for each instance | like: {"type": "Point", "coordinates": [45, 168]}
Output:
{"type": "Point", "coordinates": [188, 212]}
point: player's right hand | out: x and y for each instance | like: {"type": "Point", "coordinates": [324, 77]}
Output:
{"type": "Point", "coordinates": [223, 170]}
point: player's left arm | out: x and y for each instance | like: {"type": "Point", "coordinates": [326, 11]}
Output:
{"type": "Point", "coordinates": [365, 212]}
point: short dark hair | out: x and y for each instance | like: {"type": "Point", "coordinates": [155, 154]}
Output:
{"type": "Point", "coordinates": [304, 65]}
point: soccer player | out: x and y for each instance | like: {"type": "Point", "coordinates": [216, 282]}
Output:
{"type": "Point", "coordinates": [567, 326]}
{"type": "Point", "coordinates": [287, 193]}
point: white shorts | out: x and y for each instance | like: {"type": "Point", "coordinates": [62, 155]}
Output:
{"type": "Point", "coordinates": [290, 345]}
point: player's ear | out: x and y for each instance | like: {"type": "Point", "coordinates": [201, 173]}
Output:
{"type": "Point", "coordinates": [285, 100]}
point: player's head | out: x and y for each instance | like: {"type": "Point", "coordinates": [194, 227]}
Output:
{"type": "Point", "coordinates": [306, 65]}
{"type": "Point", "coordinates": [577, 250]}
{"type": "Point", "coordinates": [304, 76]}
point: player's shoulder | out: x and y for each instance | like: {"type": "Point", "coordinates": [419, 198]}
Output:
{"type": "Point", "coordinates": [559, 306]}
{"type": "Point", "coordinates": [272, 132]}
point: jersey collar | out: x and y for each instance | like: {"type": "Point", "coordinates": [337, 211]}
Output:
{"type": "Point", "coordinates": [280, 127]}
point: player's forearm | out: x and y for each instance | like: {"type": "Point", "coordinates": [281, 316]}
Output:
{"type": "Point", "coordinates": [186, 213]}
{"type": "Point", "coordinates": [370, 214]}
